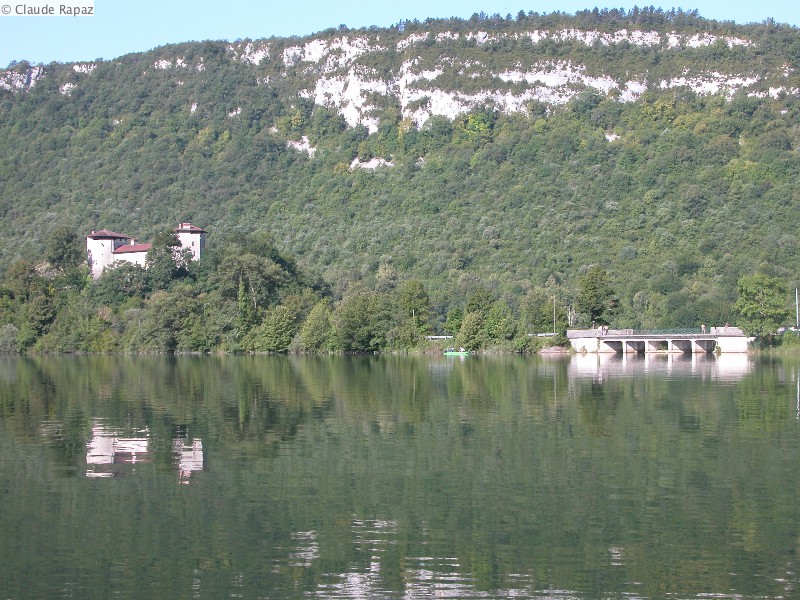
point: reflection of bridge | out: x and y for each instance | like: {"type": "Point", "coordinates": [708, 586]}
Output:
{"type": "Point", "coordinates": [687, 341]}
{"type": "Point", "coordinates": [731, 366]}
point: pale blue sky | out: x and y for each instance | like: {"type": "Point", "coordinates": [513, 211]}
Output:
{"type": "Point", "coordinates": [123, 26]}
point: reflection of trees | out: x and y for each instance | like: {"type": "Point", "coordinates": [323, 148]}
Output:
{"type": "Point", "coordinates": [597, 403]}
{"type": "Point", "coordinates": [762, 397]}
{"type": "Point", "coordinates": [498, 462]}
{"type": "Point", "coordinates": [235, 399]}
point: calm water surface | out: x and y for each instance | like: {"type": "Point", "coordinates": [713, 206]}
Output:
{"type": "Point", "coordinates": [395, 477]}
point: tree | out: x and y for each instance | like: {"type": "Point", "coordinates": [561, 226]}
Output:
{"type": "Point", "coordinates": [315, 333]}
{"type": "Point", "coordinates": [118, 284]}
{"type": "Point", "coordinates": [761, 304]}
{"type": "Point", "coordinates": [276, 331]}
{"type": "Point", "coordinates": [8, 338]}
{"type": "Point", "coordinates": [246, 316]}
{"type": "Point", "coordinates": [386, 278]}
{"type": "Point", "coordinates": [479, 301]}
{"type": "Point", "coordinates": [160, 323]}
{"type": "Point", "coordinates": [500, 323]}
{"type": "Point", "coordinates": [260, 276]}
{"type": "Point", "coordinates": [361, 321]}
{"type": "Point", "coordinates": [455, 317]}
{"type": "Point", "coordinates": [64, 250]}
{"type": "Point", "coordinates": [476, 127]}
{"type": "Point", "coordinates": [23, 280]}
{"type": "Point", "coordinates": [472, 334]}
{"type": "Point", "coordinates": [165, 261]}
{"type": "Point", "coordinates": [595, 296]}
{"type": "Point", "coordinates": [38, 314]}
{"type": "Point", "coordinates": [415, 305]}
{"type": "Point", "coordinates": [536, 312]}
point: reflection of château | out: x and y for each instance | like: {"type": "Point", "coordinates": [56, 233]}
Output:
{"type": "Point", "coordinates": [109, 448]}
{"type": "Point", "coordinates": [107, 249]}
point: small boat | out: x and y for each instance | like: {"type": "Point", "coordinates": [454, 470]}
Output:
{"type": "Point", "coordinates": [456, 352]}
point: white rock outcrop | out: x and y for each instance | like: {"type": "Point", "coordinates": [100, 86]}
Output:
{"type": "Point", "coordinates": [20, 80]}
{"type": "Point", "coordinates": [249, 52]}
{"type": "Point", "coordinates": [371, 164]}
{"type": "Point", "coordinates": [84, 68]}
{"type": "Point", "coordinates": [302, 145]}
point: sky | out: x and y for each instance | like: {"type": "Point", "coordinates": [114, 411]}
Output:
{"type": "Point", "coordinates": [120, 27]}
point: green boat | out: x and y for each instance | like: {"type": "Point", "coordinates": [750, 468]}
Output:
{"type": "Point", "coordinates": [454, 352]}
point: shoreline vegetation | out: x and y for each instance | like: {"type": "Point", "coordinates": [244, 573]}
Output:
{"type": "Point", "coordinates": [246, 297]}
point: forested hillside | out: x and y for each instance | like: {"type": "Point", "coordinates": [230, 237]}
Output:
{"type": "Point", "coordinates": [496, 155]}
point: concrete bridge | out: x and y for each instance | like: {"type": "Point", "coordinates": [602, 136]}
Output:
{"type": "Point", "coordinates": [631, 341]}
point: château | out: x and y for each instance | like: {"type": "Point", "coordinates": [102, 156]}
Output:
{"type": "Point", "coordinates": [107, 249]}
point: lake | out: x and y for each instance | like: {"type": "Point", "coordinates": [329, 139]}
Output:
{"type": "Point", "coordinates": [399, 477]}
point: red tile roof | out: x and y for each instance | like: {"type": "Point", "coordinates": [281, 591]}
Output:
{"type": "Point", "coordinates": [126, 248]}
{"type": "Point", "coordinates": [188, 227]}
{"type": "Point", "coordinates": [106, 234]}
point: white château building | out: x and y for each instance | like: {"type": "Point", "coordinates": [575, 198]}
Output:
{"type": "Point", "coordinates": [106, 249]}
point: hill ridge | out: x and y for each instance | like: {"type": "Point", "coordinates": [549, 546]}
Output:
{"type": "Point", "coordinates": [463, 159]}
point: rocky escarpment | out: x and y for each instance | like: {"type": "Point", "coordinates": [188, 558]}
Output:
{"type": "Point", "coordinates": [443, 74]}
{"type": "Point", "coordinates": [448, 73]}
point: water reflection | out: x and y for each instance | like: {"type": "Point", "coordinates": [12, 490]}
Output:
{"type": "Point", "coordinates": [305, 551]}
{"type": "Point", "coordinates": [112, 452]}
{"type": "Point", "coordinates": [423, 576]}
{"type": "Point", "coordinates": [189, 454]}
{"type": "Point", "coordinates": [725, 367]}
{"type": "Point", "coordinates": [399, 477]}
{"type": "Point", "coordinates": [109, 446]}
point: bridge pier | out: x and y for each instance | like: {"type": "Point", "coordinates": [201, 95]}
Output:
{"type": "Point", "coordinates": [700, 346]}
{"type": "Point", "coordinates": [634, 347]}
{"type": "Point", "coordinates": [617, 346]}
{"type": "Point", "coordinates": [684, 346]}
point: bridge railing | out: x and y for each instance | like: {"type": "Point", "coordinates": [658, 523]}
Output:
{"type": "Point", "coordinates": [597, 332]}
{"type": "Point", "coordinates": [676, 331]}
{"type": "Point", "coordinates": [670, 331]}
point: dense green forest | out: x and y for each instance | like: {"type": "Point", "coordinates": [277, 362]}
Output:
{"type": "Point", "coordinates": [243, 296]}
{"type": "Point", "coordinates": [482, 222]}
